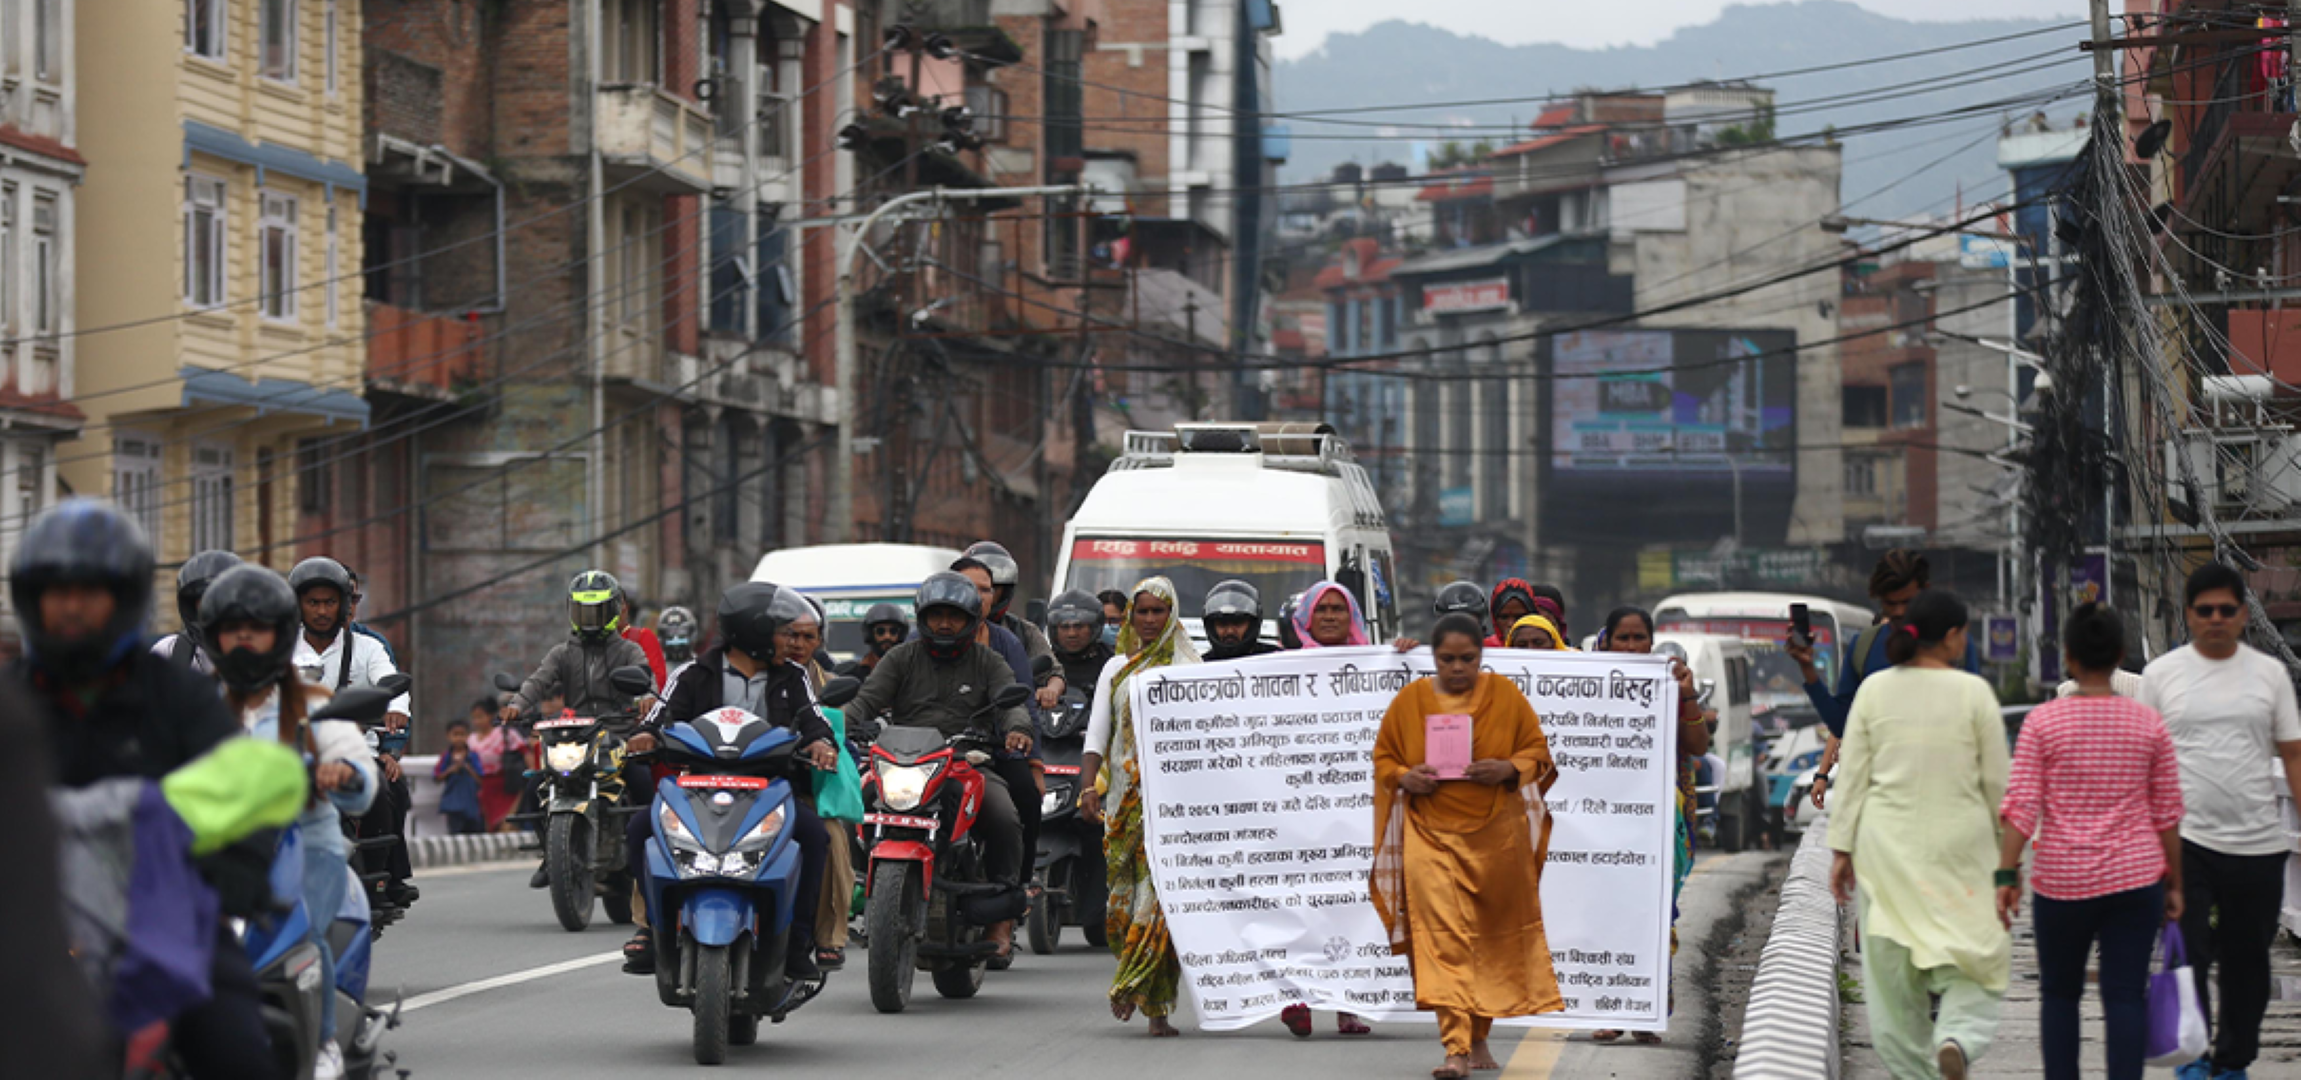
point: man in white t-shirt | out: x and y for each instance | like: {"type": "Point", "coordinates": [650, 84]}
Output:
{"type": "Point", "coordinates": [2231, 711]}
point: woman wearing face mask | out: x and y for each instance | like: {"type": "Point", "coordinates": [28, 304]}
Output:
{"type": "Point", "coordinates": [1325, 617]}
{"type": "Point", "coordinates": [249, 617]}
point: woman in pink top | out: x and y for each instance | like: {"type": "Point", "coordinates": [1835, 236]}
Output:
{"type": "Point", "coordinates": [2095, 786]}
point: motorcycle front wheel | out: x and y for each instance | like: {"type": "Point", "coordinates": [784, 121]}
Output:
{"type": "Point", "coordinates": [1045, 922]}
{"type": "Point", "coordinates": [714, 997]}
{"type": "Point", "coordinates": [567, 858]}
{"type": "Point", "coordinates": [888, 920]}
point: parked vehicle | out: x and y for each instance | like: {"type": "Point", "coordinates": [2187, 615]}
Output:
{"type": "Point", "coordinates": [1762, 621]}
{"type": "Point", "coordinates": [1721, 666]}
{"type": "Point", "coordinates": [1070, 866]}
{"type": "Point", "coordinates": [580, 806]}
{"type": "Point", "coordinates": [1791, 762]}
{"type": "Point", "coordinates": [1279, 506]}
{"type": "Point", "coordinates": [849, 579]}
{"type": "Point", "coordinates": [928, 897]}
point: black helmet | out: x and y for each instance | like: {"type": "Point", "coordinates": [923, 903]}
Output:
{"type": "Point", "coordinates": [192, 581]}
{"type": "Point", "coordinates": [753, 612]}
{"type": "Point", "coordinates": [951, 590]}
{"type": "Point", "coordinates": [676, 627]}
{"type": "Point", "coordinates": [1464, 597]}
{"type": "Point", "coordinates": [251, 594]}
{"type": "Point", "coordinates": [595, 605]}
{"type": "Point", "coordinates": [1075, 607]}
{"type": "Point", "coordinates": [1233, 599]}
{"type": "Point", "coordinates": [1288, 636]}
{"type": "Point", "coordinates": [883, 613]}
{"type": "Point", "coordinates": [85, 542]}
{"type": "Point", "coordinates": [317, 571]}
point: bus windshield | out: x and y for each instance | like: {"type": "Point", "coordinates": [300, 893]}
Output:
{"type": "Point", "coordinates": [1276, 568]}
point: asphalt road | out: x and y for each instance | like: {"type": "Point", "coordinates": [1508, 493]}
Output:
{"type": "Point", "coordinates": [494, 988]}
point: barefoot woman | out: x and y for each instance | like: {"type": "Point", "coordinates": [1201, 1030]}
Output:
{"type": "Point", "coordinates": [1149, 975]}
{"type": "Point", "coordinates": [1458, 863]}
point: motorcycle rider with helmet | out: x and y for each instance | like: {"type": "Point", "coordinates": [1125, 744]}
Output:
{"type": "Point", "coordinates": [675, 627]}
{"type": "Point", "coordinates": [941, 680]}
{"type": "Point", "coordinates": [1463, 597]}
{"type": "Point", "coordinates": [745, 672]}
{"type": "Point", "coordinates": [333, 656]}
{"type": "Point", "coordinates": [884, 627]}
{"type": "Point", "coordinates": [1233, 620]}
{"type": "Point", "coordinates": [81, 581]}
{"type": "Point", "coordinates": [184, 647]}
{"type": "Point", "coordinates": [1005, 575]}
{"type": "Point", "coordinates": [1074, 628]}
{"type": "Point", "coordinates": [576, 670]}
{"type": "Point", "coordinates": [250, 617]}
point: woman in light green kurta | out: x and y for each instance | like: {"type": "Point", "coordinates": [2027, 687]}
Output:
{"type": "Point", "coordinates": [1913, 819]}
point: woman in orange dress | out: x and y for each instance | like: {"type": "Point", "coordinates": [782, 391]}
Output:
{"type": "Point", "coordinates": [1458, 862]}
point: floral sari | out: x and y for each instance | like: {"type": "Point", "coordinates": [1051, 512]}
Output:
{"type": "Point", "coordinates": [1149, 976]}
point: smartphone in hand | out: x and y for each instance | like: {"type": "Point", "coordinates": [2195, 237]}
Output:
{"type": "Point", "coordinates": [1801, 626]}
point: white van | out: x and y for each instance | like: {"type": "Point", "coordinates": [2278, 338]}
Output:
{"type": "Point", "coordinates": [849, 578]}
{"type": "Point", "coordinates": [1762, 621]}
{"type": "Point", "coordinates": [1280, 506]}
{"type": "Point", "coordinates": [1721, 665]}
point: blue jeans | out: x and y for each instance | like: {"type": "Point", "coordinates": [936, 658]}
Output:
{"type": "Point", "coordinates": [2126, 924]}
{"type": "Point", "coordinates": [327, 877]}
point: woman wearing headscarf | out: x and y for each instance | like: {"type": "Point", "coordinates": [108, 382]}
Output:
{"type": "Point", "coordinates": [1458, 861]}
{"type": "Point", "coordinates": [1327, 617]}
{"type": "Point", "coordinates": [1149, 976]}
{"type": "Point", "coordinates": [1539, 633]}
{"type": "Point", "coordinates": [1513, 600]}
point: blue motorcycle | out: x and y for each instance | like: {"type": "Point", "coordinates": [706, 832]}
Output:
{"type": "Point", "coordinates": [723, 873]}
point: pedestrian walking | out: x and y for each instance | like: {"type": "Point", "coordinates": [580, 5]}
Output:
{"type": "Point", "coordinates": [2230, 710]}
{"type": "Point", "coordinates": [1149, 975]}
{"type": "Point", "coordinates": [1914, 822]}
{"type": "Point", "coordinates": [2095, 789]}
{"type": "Point", "coordinates": [1458, 860]}
{"type": "Point", "coordinates": [1326, 617]}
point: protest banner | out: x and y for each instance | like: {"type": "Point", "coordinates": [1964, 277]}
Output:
{"type": "Point", "coordinates": [1258, 794]}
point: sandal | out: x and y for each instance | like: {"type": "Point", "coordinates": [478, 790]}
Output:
{"type": "Point", "coordinates": [1605, 1035]}
{"type": "Point", "coordinates": [1646, 1038]}
{"type": "Point", "coordinates": [1297, 1020]}
{"type": "Point", "coordinates": [830, 959]}
{"type": "Point", "coordinates": [1350, 1024]}
{"type": "Point", "coordinates": [639, 953]}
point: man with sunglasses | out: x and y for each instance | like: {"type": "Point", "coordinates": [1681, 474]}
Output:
{"type": "Point", "coordinates": [884, 627]}
{"type": "Point", "coordinates": [2230, 709]}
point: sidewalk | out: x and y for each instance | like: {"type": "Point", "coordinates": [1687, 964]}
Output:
{"type": "Point", "coordinates": [2016, 1051]}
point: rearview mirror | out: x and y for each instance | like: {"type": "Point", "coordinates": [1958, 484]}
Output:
{"type": "Point", "coordinates": [840, 691]}
{"type": "Point", "coordinates": [633, 681]}
{"type": "Point", "coordinates": [395, 683]}
{"type": "Point", "coordinates": [1012, 697]}
{"type": "Point", "coordinates": [1042, 666]}
{"type": "Point", "coordinates": [506, 683]}
{"type": "Point", "coordinates": [363, 705]}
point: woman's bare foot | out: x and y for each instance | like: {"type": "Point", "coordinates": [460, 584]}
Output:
{"type": "Point", "coordinates": [1350, 1024]}
{"type": "Point", "coordinates": [1123, 1011]}
{"type": "Point", "coordinates": [1162, 1028]}
{"type": "Point", "coordinates": [1457, 1066]}
{"type": "Point", "coordinates": [1482, 1057]}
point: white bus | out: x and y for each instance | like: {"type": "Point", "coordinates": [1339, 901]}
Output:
{"type": "Point", "coordinates": [847, 579]}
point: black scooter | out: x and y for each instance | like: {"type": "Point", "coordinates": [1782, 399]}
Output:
{"type": "Point", "coordinates": [1070, 864]}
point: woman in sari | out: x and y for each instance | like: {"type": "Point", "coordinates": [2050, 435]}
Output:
{"type": "Point", "coordinates": [1149, 976]}
{"type": "Point", "coordinates": [1458, 861]}
{"type": "Point", "coordinates": [1327, 617]}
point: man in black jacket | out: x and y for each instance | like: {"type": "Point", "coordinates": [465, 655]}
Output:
{"type": "Point", "coordinates": [743, 672]}
{"type": "Point", "coordinates": [1074, 628]}
{"type": "Point", "coordinates": [1233, 620]}
{"type": "Point", "coordinates": [82, 585]}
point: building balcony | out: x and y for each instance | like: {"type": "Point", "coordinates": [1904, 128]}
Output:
{"type": "Point", "coordinates": [422, 355]}
{"type": "Point", "coordinates": [654, 140]}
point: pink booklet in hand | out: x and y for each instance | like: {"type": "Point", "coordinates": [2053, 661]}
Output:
{"type": "Point", "coordinates": [1446, 744]}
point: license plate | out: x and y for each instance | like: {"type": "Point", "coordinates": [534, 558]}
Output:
{"type": "Point", "coordinates": [730, 783]}
{"type": "Point", "coordinates": [1062, 770]}
{"type": "Point", "coordinates": [900, 821]}
{"type": "Point", "coordinates": [547, 725]}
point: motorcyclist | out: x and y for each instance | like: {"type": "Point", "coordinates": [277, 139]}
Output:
{"type": "Point", "coordinates": [676, 628]}
{"type": "Point", "coordinates": [1005, 575]}
{"type": "Point", "coordinates": [333, 656]}
{"type": "Point", "coordinates": [249, 616]}
{"type": "Point", "coordinates": [884, 627]}
{"type": "Point", "coordinates": [576, 670]}
{"type": "Point", "coordinates": [1233, 619]}
{"type": "Point", "coordinates": [1466, 597]}
{"type": "Point", "coordinates": [81, 581]}
{"type": "Point", "coordinates": [1023, 771]}
{"type": "Point", "coordinates": [1074, 627]}
{"type": "Point", "coordinates": [941, 680]}
{"type": "Point", "coordinates": [192, 579]}
{"type": "Point", "coordinates": [745, 672]}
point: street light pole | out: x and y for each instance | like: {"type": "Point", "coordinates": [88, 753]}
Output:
{"type": "Point", "coordinates": [842, 502]}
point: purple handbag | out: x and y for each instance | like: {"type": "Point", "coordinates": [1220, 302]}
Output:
{"type": "Point", "coordinates": [2177, 1031]}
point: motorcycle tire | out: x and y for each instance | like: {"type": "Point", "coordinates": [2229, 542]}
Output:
{"type": "Point", "coordinates": [888, 921]}
{"type": "Point", "coordinates": [1044, 925]}
{"type": "Point", "coordinates": [959, 981]}
{"type": "Point", "coordinates": [1090, 902]}
{"type": "Point", "coordinates": [567, 856]}
{"type": "Point", "coordinates": [742, 1029]}
{"type": "Point", "coordinates": [714, 998]}
{"type": "Point", "coordinates": [617, 901]}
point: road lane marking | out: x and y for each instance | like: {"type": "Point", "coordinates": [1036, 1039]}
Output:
{"type": "Point", "coordinates": [1535, 1056]}
{"type": "Point", "coordinates": [437, 997]}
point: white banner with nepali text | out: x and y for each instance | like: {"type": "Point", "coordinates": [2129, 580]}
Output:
{"type": "Point", "coordinates": [1259, 798]}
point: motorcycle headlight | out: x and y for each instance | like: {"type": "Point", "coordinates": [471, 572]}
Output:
{"type": "Point", "coordinates": [676, 830]}
{"type": "Point", "coordinates": [735, 864]}
{"type": "Point", "coordinates": [763, 834]}
{"type": "Point", "coordinates": [566, 757]}
{"type": "Point", "coordinates": [904, 785]}
{"type": "Point", "coordinates": [1805, 761]}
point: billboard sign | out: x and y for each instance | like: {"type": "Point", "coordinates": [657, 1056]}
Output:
{"type": "Point", "coordinates": [1460, 297]}
{"type": "Point", "coordinates": [1673, 401]}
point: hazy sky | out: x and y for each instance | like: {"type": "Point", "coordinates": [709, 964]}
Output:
{"type": "Point", "coordinates": [1574, 22]}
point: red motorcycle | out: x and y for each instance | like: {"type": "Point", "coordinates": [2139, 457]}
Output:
{"type": "Point", "coordinates": [928, 897]}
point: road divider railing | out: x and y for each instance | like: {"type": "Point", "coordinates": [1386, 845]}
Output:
{"type": "Point", "coordinates": [1790, 1030]}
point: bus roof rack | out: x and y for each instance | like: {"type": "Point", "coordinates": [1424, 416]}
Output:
{"type": "Point", "coordinates": [1306, 447]}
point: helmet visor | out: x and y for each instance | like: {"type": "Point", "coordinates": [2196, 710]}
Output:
{"type": "Point", "coordinates": [592, 612]}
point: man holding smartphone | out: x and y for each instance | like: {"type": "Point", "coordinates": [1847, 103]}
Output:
{"type": "Point", "coordinates": [1899, 576]}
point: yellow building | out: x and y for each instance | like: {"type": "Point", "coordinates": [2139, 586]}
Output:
{"type": "Point", "coordinates": [219, 245]}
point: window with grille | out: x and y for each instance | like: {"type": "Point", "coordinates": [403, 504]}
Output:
{"type": "Point", "coordinates": [276, 237]}
{"type": "Point", "coordinates": [328, 22]}
{"type": "Point", "coordinates": [211, 498]}
{"type": "Point", "coordinates": [31, 471]}
{"type": "Point", "coordinates": [1909, 392]}
{"type": "Point", "coordinates": [204, 27]}
{"type": "Point", "coordinates": [1861, 475]}
{"type": "Point", "coordinates": [136, 480]}
{"type": "Point", "coordinates": [276, 38]}
{"type": "Point", "coordinates": [989, 106]}
{"type": "Point", "coordinates": [205, 249]}
{"type": "Point", "coordinates": [333, 259]}
{"type": "Point", "coordinates": [47, 40]}
{"type": "Point", "coordinates": [47, 304]}
{"type": "Point", "coordinates": [1065, 102]}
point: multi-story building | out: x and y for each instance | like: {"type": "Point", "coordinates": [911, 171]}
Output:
{"type": "Point", "coordinates": [39, 170]}
{"type": "Point", "coordinates": [220, 226]}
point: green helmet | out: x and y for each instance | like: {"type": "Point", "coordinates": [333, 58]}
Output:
{"type": "Point", "coordinates": [595, 605]}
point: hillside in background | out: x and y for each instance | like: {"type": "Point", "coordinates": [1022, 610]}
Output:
{"type": "Point", "coordinates": [1910, 169]}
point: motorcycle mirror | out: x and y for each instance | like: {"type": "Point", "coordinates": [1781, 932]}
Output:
{"type": "Point", "coordinates": [1703, 689]}
{"type": "Point", "coordinates": [840, 691]}
{"type": "Point", "coordinates": [506, 683]}
{"type": "Point", "coordinates": [634, 680]}
{"type": "Point", "coordinates": [395, 683]}
{"type": "Point", "coordinates": [1012, 697]}
{"type": "Point", "coordinates": [1042, 666]}
{"type": "Point", "coordinates": [361, 704]}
